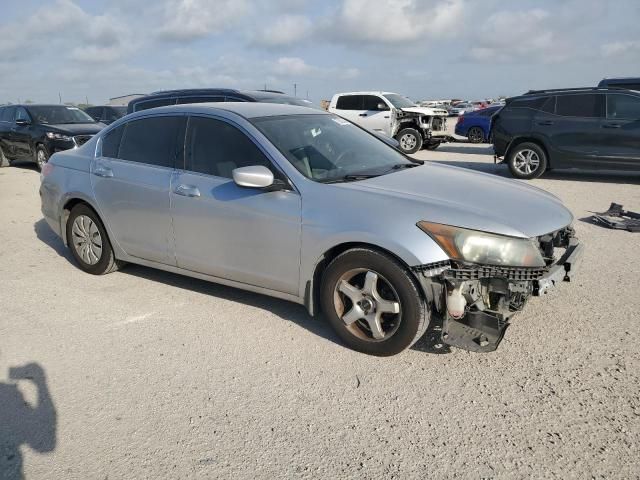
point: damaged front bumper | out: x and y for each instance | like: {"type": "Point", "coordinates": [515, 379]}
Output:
{"type": "Point", "coordinates": [472, 305]}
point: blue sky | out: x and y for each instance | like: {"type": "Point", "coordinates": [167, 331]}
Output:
{"type": "Point", "coordinates": [470, 49]}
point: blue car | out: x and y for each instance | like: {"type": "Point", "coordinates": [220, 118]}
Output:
{"type": "Point", "coordinates": [476, 126]}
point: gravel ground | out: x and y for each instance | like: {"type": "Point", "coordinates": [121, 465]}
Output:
{"type": "Point", "coordinates": [154, 375]}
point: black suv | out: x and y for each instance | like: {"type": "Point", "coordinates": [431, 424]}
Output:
{"type": "Point", "coordinates": [629, 83]}
{"type": "Point", "coordinates": [34, 132]}
{"type": "Point", "coordinates": [592, 128]}
{"type": "Point", "coordinates": [205, 95]}
{"type": "Point", "coordinates": [106, 114]}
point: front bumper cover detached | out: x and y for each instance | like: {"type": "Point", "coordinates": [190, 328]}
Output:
{"type": "Point", "coordinates": [492, 294]}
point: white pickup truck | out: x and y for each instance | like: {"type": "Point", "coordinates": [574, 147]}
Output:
{"type": "Point", "coordinates": [394, 115]}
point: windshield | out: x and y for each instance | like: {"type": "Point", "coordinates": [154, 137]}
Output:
{"type": "Point", "coordinates": [399, 101]}
{"type": "Point", "coordinates": [327, 148]}
{"type": "Point", "coordinates": [57, 114]}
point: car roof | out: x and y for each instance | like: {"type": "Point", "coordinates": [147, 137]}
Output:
{"type": "Point", "coordinates": [371, 92]}
{"type": "Point", "coordinates": [244, 109]}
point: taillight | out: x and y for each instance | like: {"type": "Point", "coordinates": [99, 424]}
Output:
{"type": "Point", "coordinates": [47, 168]}
{"type": "Point", "coordinates": [461, 119]}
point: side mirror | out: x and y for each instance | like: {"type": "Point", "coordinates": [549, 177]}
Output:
{"type": "Point", "coordinates": [255, 176]}
{"type": "Point", "coordinates": [383, 106]}
{"type": "Point", "coordinates": [22, 122]}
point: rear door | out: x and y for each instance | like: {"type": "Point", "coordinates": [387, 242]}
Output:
{"type": "Point", "coordinates": [574, 130]}
{"type": "Point", "coordinates": [351, 107]}
{"type": "Point", "coordinates": [621, 131]}
{"type": "Point", "coordinates": [131, 180]}
{"type": "Point", "coordinates": [21, 134]}
{"type": "Point", "coordinates": [6, 123]}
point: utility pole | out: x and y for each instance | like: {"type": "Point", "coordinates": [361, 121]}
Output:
{"type": "Point", "coordinates": [86, 98]}
{"type": "Point", "coordinates": [307, 94]}
{"type": "Point", "coordinates": [59, 97]}
{"type": "Point", "coordinates": [295, 89]}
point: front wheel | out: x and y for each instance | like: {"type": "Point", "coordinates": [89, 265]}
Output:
{"type": "Point", "coordinates": [88, 242]}
{"type": "Point", "coordinates": [527, 161]}
{"type": "Point", "coordinates": [373, 302]}
{"type": "Point", "coordinates": [410, 140]}
{"type": "Point", "coordinates": [42, 156]}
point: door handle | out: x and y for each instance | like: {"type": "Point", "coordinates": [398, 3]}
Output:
{"type": "Point", "coordinates": [362, 114]}
{"type": "Point", "coordinates": [386, 116]}
{"type": "Point", "coordinates": [545, 123]}
{"type": "Point", "coordinates": [611, 125]}
{"type": "Point", "coordinates": [104, 172]}
{"type": "Point", "coordinates": [187, 191]}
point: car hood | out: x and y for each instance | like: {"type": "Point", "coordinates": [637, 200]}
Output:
{"type": "Point", "coordinates": [463, 198]}
{"type": "Point", "coordinates": [425, 111]}
{"type": "Point", "coordinates": [75, 128]}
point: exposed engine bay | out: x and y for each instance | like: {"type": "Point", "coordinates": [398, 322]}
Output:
{"type": "Point", "coordinates": [431, 122]}
{"type": "Point", "coordinates": [474, 304]}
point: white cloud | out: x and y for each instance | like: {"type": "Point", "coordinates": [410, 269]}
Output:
{"type": "Point", "coordinates": [616, 49]}
{"type": "Point", "coordinates": [295, 67]}
{"type": "Point", "coordinates": [187, 20]}
{"type": "Point", "coordinates": [396, 21]}
{"type": "Point", "coordinates": [286, 30]}
{"type": "Point", "coordinates": [519, 35]}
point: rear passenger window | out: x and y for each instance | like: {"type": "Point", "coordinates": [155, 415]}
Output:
{"type": "Point", "coordinates": [7, 114]}
{"type": "Point", "coordinates": [549, 106]}
{"type": "Point", "coordinates": [111, 142]}
{"type": "Point", "coordinates": [154, 140]}
{"type": "Point", "coordinates": [147, 104]}
{"type": "Point", "coordinates": [580, 105]}
{"type": "Point", "coordinates": [216, 148]}
{"type": "Point", "coordinates": [623, 106]}
{"type": "Point", "coordinates": [528, 102]}
{"type": "Point", "coordinates": [350, 102]}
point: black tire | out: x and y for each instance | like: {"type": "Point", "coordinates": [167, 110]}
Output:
{"type": "Point", "coordinates": [404, 329]}
{"type": "Point", "coordinates": [517, 161]}
{"type": "Point", "coordinates": [475, 135]}
{"type": "Point", "coordinates": [410, 140]}
{"type": "Point", "coordinates": [432, 146]}
{"type": "Point", "coordinates": [41, 156]}
{"type": "Point", "coordinates": [107, 262]}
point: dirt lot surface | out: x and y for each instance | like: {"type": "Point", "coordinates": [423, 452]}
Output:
{"type": "Point", "coordinates": [145, 374]}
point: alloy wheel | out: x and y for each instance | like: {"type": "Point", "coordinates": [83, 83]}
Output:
{"type": "Point", "coordinates": [41, 158]}
{"type": "Point", "coordinates": [86, 240]}
{"type": "Point", "coordinates": [368, 304]}
{"type": "Point", "coordinates": [476, 135]}
{"type": "Point", "coordinates": [526, 161]}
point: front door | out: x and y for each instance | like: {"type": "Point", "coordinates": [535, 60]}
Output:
{"type": "Point", "coordinates": [131, 180]}
{"type": "Point", "coordinates": [621, 131]}
{"type": "Point", "coordinates": [246, 235]}
{"type": "Point", "coordinates": [377, 115]}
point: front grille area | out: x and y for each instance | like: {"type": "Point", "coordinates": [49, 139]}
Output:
{"type": "Point", "coordinates": [81, 139]}
{"type": "Point", "coordinates": [488, 271]}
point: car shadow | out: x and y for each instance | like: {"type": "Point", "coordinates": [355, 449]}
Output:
{"type": "Point", "coordinates": [597, 176]}
{"type": "Point", "coordinates": [284, 309]}
{"type": "Point", "coordinates": [23, 422]}
{"type": "Point", "coordinates": [478, 149]}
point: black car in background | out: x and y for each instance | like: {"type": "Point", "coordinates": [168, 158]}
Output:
{"type": "Point", "coordinates": [591, 128]}
{"type": "Point", "coordinates": [628, 83]}
{"type": "Point", "coordinates": [35, 132]}
{"type": "Point", "coordinates": [206, 95]}
{"type": "Point", "coordinates": [106, 114]}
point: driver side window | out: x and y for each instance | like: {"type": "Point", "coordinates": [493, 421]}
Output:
{"type": "Point", "coordinates": [21, 114]}
{"type": "Point", "coordinates": [374, 103]}
{"type": "Point", "coordinates": [217, 148]}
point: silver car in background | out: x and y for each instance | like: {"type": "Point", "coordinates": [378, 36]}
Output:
{"type": "Point", "coordinates": [306, 206]}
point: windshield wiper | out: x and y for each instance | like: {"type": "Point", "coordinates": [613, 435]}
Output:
{"type": "Point", "coordinates": [352, 177]}
{"type": "Point", "coordinates": [400, 166]}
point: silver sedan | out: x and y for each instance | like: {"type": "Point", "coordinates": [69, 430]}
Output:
{"type": "Point", "coordinates": [306, 206]}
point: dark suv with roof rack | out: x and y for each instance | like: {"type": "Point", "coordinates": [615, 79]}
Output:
{"type": "Point", "coordinates": [35, 132]}
{"type": "Point", "coordinates": [591, 128]}
{"type": "Point", "coordinates": [207, 95]}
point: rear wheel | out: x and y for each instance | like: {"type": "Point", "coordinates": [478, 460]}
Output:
{"type": "Point", "coordinates": [475, 135]}
{"type": "Point", "coordinates": [527, 160]}
{"type": "Point", "coordinates": [4, 161]}
{"type": "Point", "coordinates": [88, 242]}
{"type": "Point", "coordinates": [410, 140]}
{"type": "Point", "coordinates": [373, 302]}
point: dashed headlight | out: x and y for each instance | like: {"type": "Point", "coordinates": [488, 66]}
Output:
{"type": "Point", "coordinates": [482, 247]}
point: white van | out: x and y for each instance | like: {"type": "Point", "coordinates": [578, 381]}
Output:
{"type": "Point", "coordinates": [394, 115]}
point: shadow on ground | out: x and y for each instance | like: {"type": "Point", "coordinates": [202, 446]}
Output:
{"type": "Point", "coordinates": [22, 423]}
{"type": "Point", "coordinates": [286, 310]}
